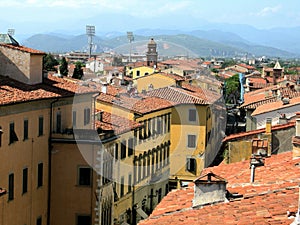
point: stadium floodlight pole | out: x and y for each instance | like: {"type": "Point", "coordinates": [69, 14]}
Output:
{"type": "Point", "coordinates": [130, 39]}
{"type": "Point", "coordinates": [11, 31]}
{"type": "Point", "coordinates": [90, 32]}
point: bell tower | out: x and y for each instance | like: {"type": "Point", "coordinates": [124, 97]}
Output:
{"type": "Point", "coordinates": [152, 53]}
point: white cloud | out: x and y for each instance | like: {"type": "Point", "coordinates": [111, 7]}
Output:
{"type": "Point", "coordinates": [268, 11]}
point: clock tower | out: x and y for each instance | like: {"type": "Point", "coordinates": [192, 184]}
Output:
{"type": "Point", "coordinates": [152, 53]}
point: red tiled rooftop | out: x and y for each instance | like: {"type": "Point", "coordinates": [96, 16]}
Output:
{"type": "Point", "coordinates": [118, 124]}
{"type": "Point", "coordinates": [187, 94]}
{"type": "Point", "coordinates": [247, 66]}
{"type": "Point", "coordinates": [13, 91]}
{"type": "Point", "coordinates": [258, 131]}
{"type": "Point", "coordinates": [173, 76]}
{"type": "Point", "coordinates": [23, 49]}
{"type": "Point", "coordinates": [266, 201]}
{"type": "Point", "coordinates": [254, 99]}
{"type": "Point", "coordinates": [275, 106]}
{"type": "Point", "coordinates": [138, 104]}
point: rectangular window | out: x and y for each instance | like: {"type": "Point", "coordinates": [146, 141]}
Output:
{"type": "Point", "coordinates": [130, 146]}
{"type": "Point", "coordinates": [169, 122]}
{"type": "Point", "coordinates": [84, 176]}
{"type": "Point", "coordinates": [192, 115]}
{"type": "Point", "coordinates": [41, 125]}
{"type": "Point", "coordinates": [87, 116]}
{"type": "Point", "coordinates": [191, 141]}
{"type": "Point", "coordinates": [40, 175]}
{"type": "Point", "coordinates": [58, 122]}
{"type": "Point", "coordinates": [25, 133]}
{"type": "Point", "coordinates": [159, 126]}
{"type": "Point", "coordinates": [11, 186]}
{"type": "Point", "coordinates": [122, 187]}
{"type": "Point", "coordinates": [129, 182]}
{"type": "Point", "coordinates": [12, 134]}
{"type": "Point", "coordinates": [74, 119]}
{"type": "Point", "coordinates": [141, 137]}
{"type": "Point", "coordinates": [149, 127]}
{"type": "Point", "coordinates": [39, 221]}
{"type": "Point", "coordinates": [25, 181]}
{"type": "Point", "coordinates": [191, 165]}
{"type": "Point", "coordinates": [116, 151]}
{"type": "Point", "coordinates": [145, 129]}
{"type": "Point", "coordinates": [153, 126]}
{"type": "Point", "coordinates": [123, 149]}
{"type": "Point", "coordinates": [84, 220]}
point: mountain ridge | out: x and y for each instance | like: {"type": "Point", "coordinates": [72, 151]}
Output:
{"type": "Point", "coordinates": [204, 43]}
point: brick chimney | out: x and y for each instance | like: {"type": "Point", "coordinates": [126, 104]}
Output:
{"type": "Point", "coordinates": [209, 189]}
{"type": "Point", "coordinates": [268, 135]}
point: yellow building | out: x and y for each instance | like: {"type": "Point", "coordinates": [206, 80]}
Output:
{"type": "Point", "coordinates": [140, 71]}
{"type": "Point", "coordinates": [198, 118]}
{"type": "Point", "coordinates": [157, 80]}
{"type": "Point", "coordinates": [142, 166]}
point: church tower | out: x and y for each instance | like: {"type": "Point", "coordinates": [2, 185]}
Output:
{"type": "Point", "coordinates": [277, 72]}
{"type": "Point", "coordinates": [152, 53]}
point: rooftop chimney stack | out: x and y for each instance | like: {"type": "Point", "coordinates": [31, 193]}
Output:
{"type": "Point", "coordinates": [209, 189]}
{"type": "Point", "coordinates": [268, 125]}
{"type": "Point", "coordinates": [283, 119]}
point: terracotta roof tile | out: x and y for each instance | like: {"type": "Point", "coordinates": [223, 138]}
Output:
{"type": "Point", "coordinates": [275, 106]}
{"type": "Point", "coordinates": [266, 201]}
{"type": "Point", "coordinates": [23, 49]}
{"type": "Point", "coordinates": [263, 96]}
{"type": "Point", "coordinates": [13, 91]}
{"type": "Point", "coordinates": [118, 124]}
{"type": "Point", "coordinates": [187, 94]}
{"type": "Point", "coordinates": [139, 103]}
{"type": "Point", "coordinates": [258, 131]}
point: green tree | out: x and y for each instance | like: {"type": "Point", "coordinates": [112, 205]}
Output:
{"type": "Point", "coordinates": [228, 62]}
{"type": "Point", "coordinates": [49, 62]}
{"type": "Point", "coordinates": [232, 88]}
{"type": "Point", "coordinates": [78, 71]}
{"type": "Point", "coordinates": [63, 67]}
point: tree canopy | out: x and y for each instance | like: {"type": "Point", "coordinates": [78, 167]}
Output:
{"type": "Point", "coordinates": [63, 67]}
{"type": "Point", "coordinates": [50, 62]}
{"type": "Point", "coordinates": [78, 71]}
{"type": "Point", "coordinates": [232, 89]}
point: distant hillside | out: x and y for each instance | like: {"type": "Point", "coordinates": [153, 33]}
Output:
{"type": "Point", "coordinates": [195, 44]}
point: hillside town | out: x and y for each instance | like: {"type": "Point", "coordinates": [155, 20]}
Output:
{"type": "Point", "coordinates": [111, 139]}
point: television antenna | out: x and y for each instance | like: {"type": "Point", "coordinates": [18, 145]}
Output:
{"type": "Point", "coordinates": [11, 31]}
{"type": "Point", "coordinates": [130, 38]}
{"type": "Point", "coordinates": [90, 32]}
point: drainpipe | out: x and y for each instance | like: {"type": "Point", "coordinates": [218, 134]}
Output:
{"type": "Point", "coordinates": [50, 161]}
{"type": "Point", "coordinates": [252, 173]}
{"type": "Point", "coordinates": [94, 102]}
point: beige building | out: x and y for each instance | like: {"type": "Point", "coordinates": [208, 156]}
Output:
{"type": "Point", "coordinates": [36, 113]}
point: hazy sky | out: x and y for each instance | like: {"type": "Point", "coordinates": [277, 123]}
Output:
{"type": "Point", "coordinates": [37, 16]}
